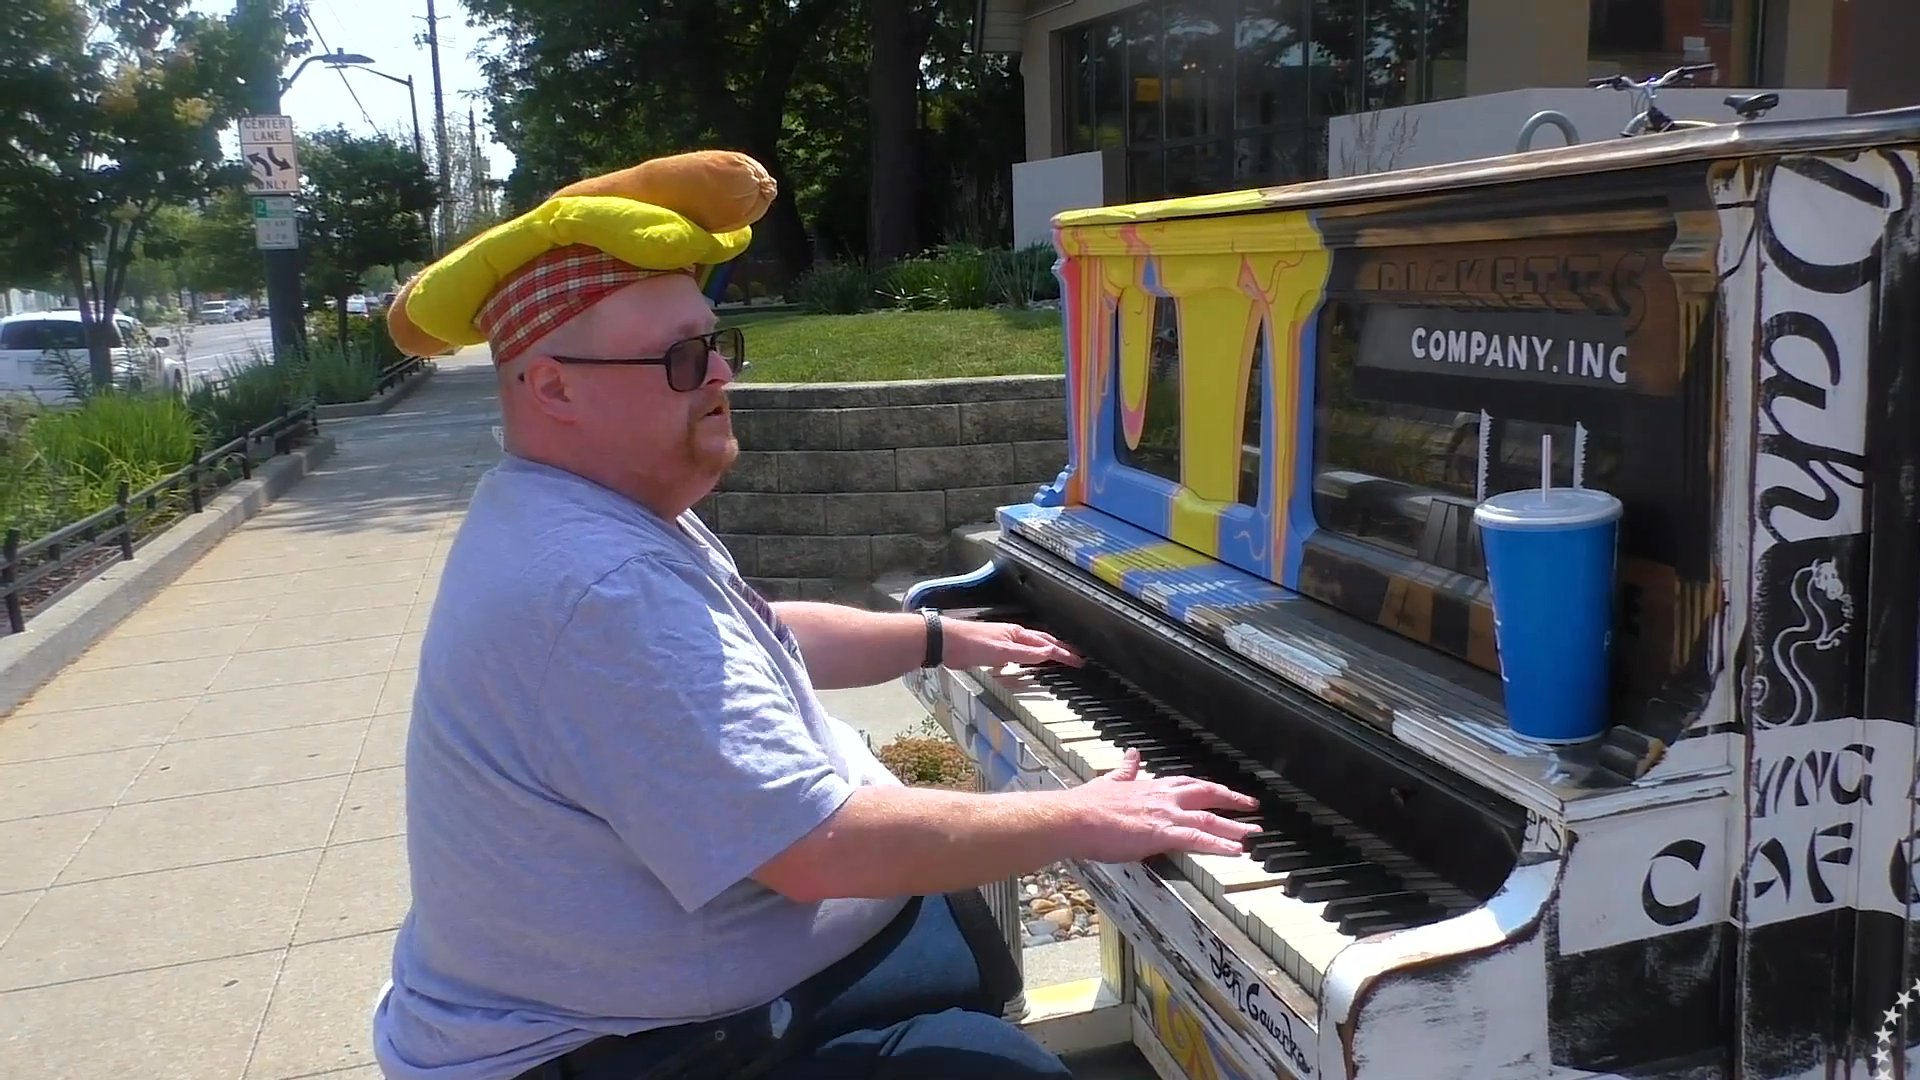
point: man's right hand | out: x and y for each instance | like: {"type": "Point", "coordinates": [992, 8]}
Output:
{"type": "Point", "coordinates": [1129, 819]}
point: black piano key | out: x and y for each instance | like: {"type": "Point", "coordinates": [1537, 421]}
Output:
{"type": "Point", "coordinates": [1414, 907]}
{"type": "Point", "coordinates": [1368, 923]}
{"type": "Point", "coordinates": [1339, 883]}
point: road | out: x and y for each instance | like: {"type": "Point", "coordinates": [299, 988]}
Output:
{"type": "Point", "coordinates": [212, 348]}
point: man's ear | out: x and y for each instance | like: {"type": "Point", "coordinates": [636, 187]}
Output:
{"type": "Point", "coordinates": [549, 388]}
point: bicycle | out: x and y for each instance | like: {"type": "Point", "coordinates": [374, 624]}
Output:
{"type": "Point", "coordinates": [1652, 120]}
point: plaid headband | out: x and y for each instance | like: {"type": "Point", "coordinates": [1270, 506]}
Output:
{"type": "Point", "coordinates": [550, 290]}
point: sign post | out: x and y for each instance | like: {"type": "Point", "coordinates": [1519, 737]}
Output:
{"type": "Point", "coordinates": [273, 178]}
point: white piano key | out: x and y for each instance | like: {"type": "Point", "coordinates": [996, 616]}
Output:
{"type": "Point", "coordinates": [1296, 933]}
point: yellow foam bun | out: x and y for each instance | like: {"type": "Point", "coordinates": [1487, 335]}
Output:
{"type": "Point", "coordinates": [443, 300]}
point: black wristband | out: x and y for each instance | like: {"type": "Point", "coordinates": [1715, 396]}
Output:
{"type": "Point", "coordinates": [932, 619]}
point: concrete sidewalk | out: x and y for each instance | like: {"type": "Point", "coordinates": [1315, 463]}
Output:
{"type": "Point", "coordinates": [202, 858]}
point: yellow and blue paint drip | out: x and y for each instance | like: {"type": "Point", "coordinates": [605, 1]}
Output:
{"type": "Point", "coordinates": [1247, 290]}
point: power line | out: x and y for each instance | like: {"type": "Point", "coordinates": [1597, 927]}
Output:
{"type": "Point", "coordinates": [364, 115]}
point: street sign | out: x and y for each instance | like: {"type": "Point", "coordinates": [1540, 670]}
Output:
{"type": "Point", "coordinates": [274, 226]}
{"type": "Point", "coordinates": [266, 146]}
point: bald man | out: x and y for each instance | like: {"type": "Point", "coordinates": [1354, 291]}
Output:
{"type": "Point", "coordinates": [639, 845]}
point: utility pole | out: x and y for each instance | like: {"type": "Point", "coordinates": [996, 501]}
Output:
{"type": "Point", "coordinates": [439, 126]}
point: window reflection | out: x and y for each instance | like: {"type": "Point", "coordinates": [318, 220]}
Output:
{"type": "Point", "coordinates": [1251, 431]}
{"type": "Point", "coordinates": [1159, 449]}
{"type": "Point", "coordinates": [1206, 95]}
{"type": "Point", "coordinates": [1747, 40]}
{"type": "Point", "coordinates": [1401, 474]}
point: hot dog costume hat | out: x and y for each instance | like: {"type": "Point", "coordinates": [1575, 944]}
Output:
{"type": "Point", "coordinates": [514, 283]}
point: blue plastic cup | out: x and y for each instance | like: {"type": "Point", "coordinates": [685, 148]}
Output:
{"type": "Point", "coordinates": [1550, 564]}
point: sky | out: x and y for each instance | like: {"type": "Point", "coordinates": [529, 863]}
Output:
{"type": "Point", "coordinates": [384, 30]}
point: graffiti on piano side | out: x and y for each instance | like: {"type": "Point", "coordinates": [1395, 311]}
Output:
{"type": "Point", "coordinates": [1829, 826]}
{"type": "Point", "coordinates": [1687, 852]}
{"type": "Point", "coordinates": [1543, 836]}
{"type": "Point", "coordinates": [1180, 1032]}
{"type": "Point", "coordinates": [1645, 874]}
{"type": "Point", "coordinates": [1818, 267]}
{"type": "Point", "coordinates": [1821, 776]}
{"type": "Point", "coordinates": [1250, 996]}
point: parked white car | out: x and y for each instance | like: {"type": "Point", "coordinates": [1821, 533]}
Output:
{"type": "Point", "coordinates": [32, 344]}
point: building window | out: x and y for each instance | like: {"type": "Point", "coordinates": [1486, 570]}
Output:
{"type": "Point", "coordinates": [1638, 38]}
{"type": "Point", "coordinates": [1215, 95]}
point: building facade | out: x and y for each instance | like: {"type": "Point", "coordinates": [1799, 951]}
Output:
{"type": "Point", "coordinates": [1131, 100]}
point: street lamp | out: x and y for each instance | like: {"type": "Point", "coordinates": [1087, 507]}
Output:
{"type": "Point", "coordinates": [334, 58]}
{"type": "Point", "coordinates": [412, 103]}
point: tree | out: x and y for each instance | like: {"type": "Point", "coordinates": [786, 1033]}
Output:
{"type": "Point", "coordinates": [363, 203]}
{"type": "Point", "coordinates": [115, 109]}
{"type": "Point", "coordinates": [582, 86]}
{"type": "Point", "coordinates": [898, 31]}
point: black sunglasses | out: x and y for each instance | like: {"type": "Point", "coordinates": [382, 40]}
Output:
{"type": "Point", "coordinates": [686, 359]}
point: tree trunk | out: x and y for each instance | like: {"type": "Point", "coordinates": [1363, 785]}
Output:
{"type": "Point", "coordinates": [893, 92]}
{"type": "Point", "coordinates": [99, 352]}
{"type": "Point", "coordinates": [340, 307]}
{"type": "Point", "coordinates": [783, 223]}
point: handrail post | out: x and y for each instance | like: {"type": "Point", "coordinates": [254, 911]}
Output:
{"type": "Point", "coordinates": [193, 478]}
{"type": "Point", "coordinates": [16, 618]}
{"type": "Point", "coordinates": [120, 522]}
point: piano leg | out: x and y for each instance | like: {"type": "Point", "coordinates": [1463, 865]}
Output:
{"type": "Point", "coordinates": [1005, 900]}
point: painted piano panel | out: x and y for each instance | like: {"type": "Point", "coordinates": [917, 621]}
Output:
{"type": "Point", "coordinates": [1319, 398]}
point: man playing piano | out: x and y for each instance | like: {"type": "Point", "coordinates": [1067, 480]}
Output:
{"type": "Point", "coordinates": [639, 846]}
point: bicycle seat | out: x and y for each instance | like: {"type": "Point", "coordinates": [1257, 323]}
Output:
{"type": "Point", "coordinates": [1751, 106]}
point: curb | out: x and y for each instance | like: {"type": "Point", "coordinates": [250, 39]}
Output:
{"type": "Point", "coordinates": [64, 632]}
{"type": "Point", "coordinates": [376, 406]}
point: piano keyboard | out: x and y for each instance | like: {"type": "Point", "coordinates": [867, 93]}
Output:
{"type": "Point", "coordinates": [1312, 882]}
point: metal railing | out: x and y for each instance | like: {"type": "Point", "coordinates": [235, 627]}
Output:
{"type": "Point", "coordinates": [135, 516]}
{"type": "Point", "coordinates": [399, 371]}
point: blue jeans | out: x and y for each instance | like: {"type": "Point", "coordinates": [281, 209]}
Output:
{"type": "Point", "coordinates": [913, 1007]}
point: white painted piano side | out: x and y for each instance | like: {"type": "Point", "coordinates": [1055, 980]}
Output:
{"type": "Point", "coordinates": [1487, 1020]}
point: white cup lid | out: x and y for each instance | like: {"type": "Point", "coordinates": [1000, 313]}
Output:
{"type": "Point", "coordinates": [1554, 508]}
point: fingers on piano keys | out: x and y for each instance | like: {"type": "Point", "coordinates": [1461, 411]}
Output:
{"type": "Point", "coordinates": [1311, 882]}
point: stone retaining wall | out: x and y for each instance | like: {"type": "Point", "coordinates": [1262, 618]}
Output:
{"type": "Point", "coordinates": [839, 484]}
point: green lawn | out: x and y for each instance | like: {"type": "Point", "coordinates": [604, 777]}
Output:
{"type": "Point", "coordinates": [790, 347]}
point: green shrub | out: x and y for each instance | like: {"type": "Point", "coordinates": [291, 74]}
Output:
{"type": "Point", "coordinates": [927, 761]}
{"type": "Point", "coordinates": [367, 332]}
{"type": "Point", "coordinates": [836, 289]}
{"type": "Point", "coordinates": [60, 465]}
{"type": "Point", "coordinates": [247, 396]}
{"type": "Point", "coordinates": [1023, 277]}
{"type": "Point", "coordinates": [342, 376]}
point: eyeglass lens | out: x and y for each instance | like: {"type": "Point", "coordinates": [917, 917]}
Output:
{"type": "Point", "coordinates": [687, 360]}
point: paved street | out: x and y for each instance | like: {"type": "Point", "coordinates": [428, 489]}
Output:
{"type": "Point", "coordinates": [202, 818]}
{"type": "Point", "coordinates": [213, 347]}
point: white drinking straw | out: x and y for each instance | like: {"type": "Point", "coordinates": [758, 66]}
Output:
{"type": "Point", "coordinates": [1546, 462]}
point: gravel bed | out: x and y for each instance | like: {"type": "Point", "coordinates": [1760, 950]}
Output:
{"type": "Point", "coordinates": [1057, 907]}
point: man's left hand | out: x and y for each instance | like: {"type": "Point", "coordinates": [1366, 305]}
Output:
{"type": "Point", "coordinates": [991, 644]}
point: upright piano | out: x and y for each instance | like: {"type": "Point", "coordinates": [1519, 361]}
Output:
{"type": "Point", "coordinates": [1283, 407]}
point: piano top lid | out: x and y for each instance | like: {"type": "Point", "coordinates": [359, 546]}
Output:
{"type": "Point", "coordinates": [1751, 138]}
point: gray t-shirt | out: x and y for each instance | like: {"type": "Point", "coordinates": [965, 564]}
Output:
{"type": "Point", "coordinates": [610, 732]}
